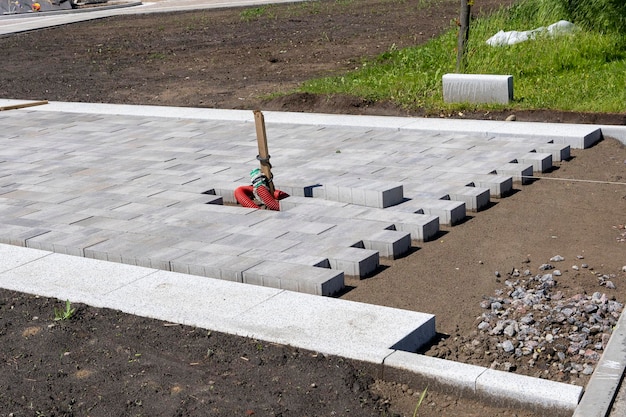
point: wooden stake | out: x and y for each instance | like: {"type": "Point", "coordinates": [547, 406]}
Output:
{"type": "Point", "coordinates": [464, 22]}
{"type": "Point", "coordinates": [21, 106]}
{"type": "Point", "coordinates": [263, 156]}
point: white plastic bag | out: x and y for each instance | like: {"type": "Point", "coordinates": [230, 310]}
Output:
{"type": "Point", "coordinates": [512, 37]}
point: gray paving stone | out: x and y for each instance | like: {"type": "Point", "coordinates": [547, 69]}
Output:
{"type": "Point", "coordinates": [117, 249]}
{"type": "Point", "coordinates": [159, 258]}
{"type": "Point", "coordinates": [499, 185]}
{"type": "Point", "coordinates": [38, 196]}
{"type": "Point", "coordinates": [257, 242]}
{"type": "Point", "coordinates": [285, 257]}
{"type": "Point", "coordinates": [13, 209]}
{"type": "Point", "coordinates": [20, 221]}
{"type": "Point", "coordinates": [312, 244]}
{"type": "Point", "coordinates": [295, 187]}
{"type": "Point", "coordinates": [390, 244]}
{"type": "Point", "coordinates": [94, 200]}
{"type": "Point", "coordinates": [107, 214]}
{"type": "Point", "coordinates": [422, 227]}
{"type": "Point", "coordinates": [226, 267]}
{"type": "Point", "coordinates": [541, 162]}
{"type": "Point", "coordinates": [449, 212]}
{"type": "Point", "coordinates": [68, 243]}
{"type": "Point", "coordinates": [295, 224]}
{"type": "Point", "coordinates": [576, 136]}
{"type": "Point", "coordinates": [475, 198]}
{"type": "Point", "coordinates": [294, 277]}
{"type": "Point", "coordinates": [210, 248]}
{"type": "Point", "coordinates": [560, 152]}
{"type": "Point", "coordinates": [521, 173]}
{"type": "Point", "coordinates": [348, 232]}
{"type": "Point", "coordinates": [353, 262]}
{"type": "Point", "coordinates": [58, 214]}
{"type": "Point", "coordinates": [18, 235]}
{"type": "Point", "coordinates": [294, 201]}
{"type": "Point", "coordinates": [355, 228]}
{"type": "Point", "coordinates": [258, 229]}
{"type": "Point", "coordinates": [119, 225]}
{"type": "Point", "coordinates": [340, 211]}
{"type": "Point", "coordinates": [376, 194]}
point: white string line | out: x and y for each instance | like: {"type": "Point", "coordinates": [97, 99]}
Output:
{"type": "Point", "coordinates": [574, 180]}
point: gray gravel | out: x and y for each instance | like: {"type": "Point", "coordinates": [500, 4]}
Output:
{"type": "Point", "coordinates": [531, 320]}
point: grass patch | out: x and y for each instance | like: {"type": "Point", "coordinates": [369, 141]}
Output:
{"type": "Point", "coordinates": [581, 71]}
{"type": "Point", "coordinates": [248, 15]}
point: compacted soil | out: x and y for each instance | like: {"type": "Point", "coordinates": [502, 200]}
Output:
{"type": "Point", "coordinates": [103, 363]}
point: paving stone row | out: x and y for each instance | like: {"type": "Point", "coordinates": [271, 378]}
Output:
{"type": "Point", "coordinates": [150, 191]}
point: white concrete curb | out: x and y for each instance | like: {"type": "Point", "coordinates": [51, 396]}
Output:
{"type": "Point", "coordinates": [495, 386]}
{"type": "Point", "coordinates": [577, 136]}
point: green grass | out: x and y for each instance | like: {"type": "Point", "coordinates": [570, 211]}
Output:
{"type": "Point", "coordinates": [254, 13]}
{"type": "Point", "coordinates": [582, 71]}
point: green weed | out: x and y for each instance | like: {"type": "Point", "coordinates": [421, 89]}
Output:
{"type": "Point", "coordinates": [64, 314]}
{"type": "Point", "coordinates": [157, 56]}
{"type": "Point", "coordinates": [419, 402]}
{"type": "Point", "coordinates": [248, 15]}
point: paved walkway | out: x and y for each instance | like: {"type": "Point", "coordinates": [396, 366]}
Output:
{"type": "Point", "coordinates": [32, 21]}
{"type": "Point", "coordinates": [82, 183]}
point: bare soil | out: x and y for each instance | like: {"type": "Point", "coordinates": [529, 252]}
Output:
{"type": "Point", "coordinates": [102, 362]}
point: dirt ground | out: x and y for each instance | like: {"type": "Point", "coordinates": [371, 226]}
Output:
{"type": "Point", "coordinates": [102, 362]}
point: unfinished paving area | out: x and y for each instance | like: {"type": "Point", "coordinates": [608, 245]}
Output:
{"type": "Point", "coordinates": [146, 187]}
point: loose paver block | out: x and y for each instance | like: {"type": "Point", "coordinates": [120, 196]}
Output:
{"type": "Point", "coordinates": [477, 88]}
